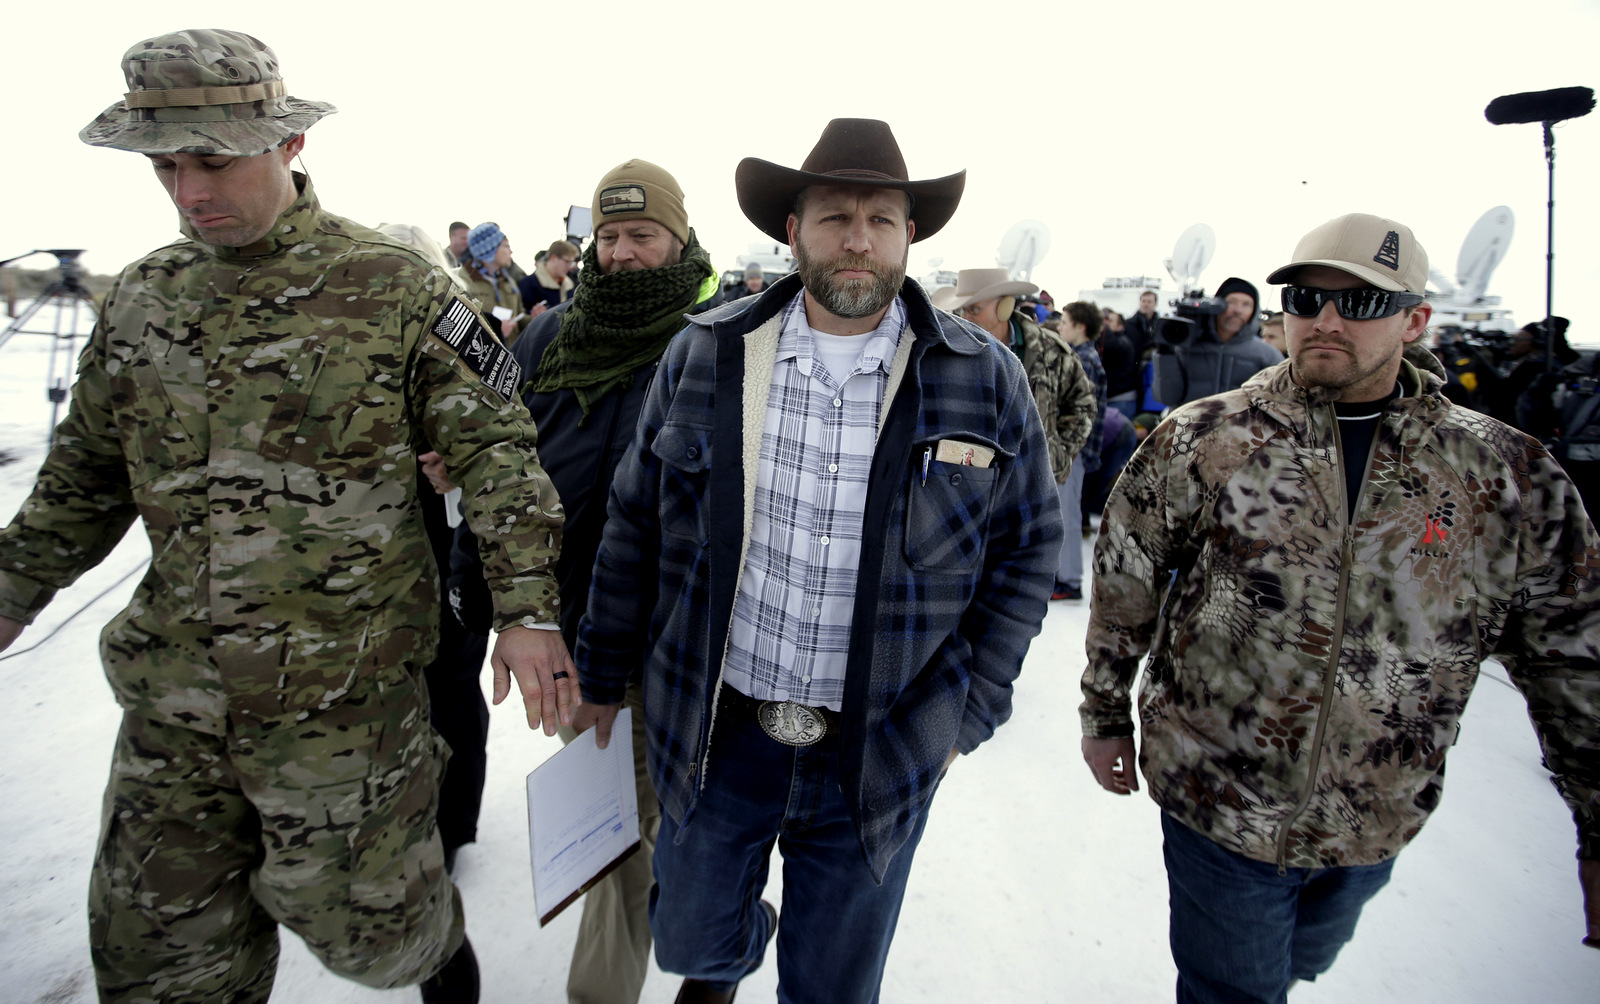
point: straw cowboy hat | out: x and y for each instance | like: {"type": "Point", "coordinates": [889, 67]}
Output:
{"type": "Point", "coordinates": [974, 284]}
{"type": "Point", "coordinates": [943, 297]}
{"type": "Point", "coordinates": [206, 92]}
{"type": "Point", "coordinates": [850, 152]}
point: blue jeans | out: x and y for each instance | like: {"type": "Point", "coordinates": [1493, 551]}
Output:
{"type": "Point", "coordinates": [1241, 932]}
{"type": "Point", "coordinates": [837, 922]}
{"type": "Point", "coordinates": [1069, 569]}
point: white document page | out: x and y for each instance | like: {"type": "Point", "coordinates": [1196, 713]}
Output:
{"type": "Point", "coordinates": [583, 816]}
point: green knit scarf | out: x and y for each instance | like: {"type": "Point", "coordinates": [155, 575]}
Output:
{"type": "Point", "coordinates": [619, 323]}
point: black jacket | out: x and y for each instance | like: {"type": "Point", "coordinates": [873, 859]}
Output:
{"type": "Point", "coordinates": [580, 454]}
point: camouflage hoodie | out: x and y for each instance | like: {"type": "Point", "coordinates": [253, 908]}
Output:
{"type": "Point", "coordinates": [1309, 672]}
{"type": "Point", "coordinates": [1062, 391]}
{"type": "Point", "coordinates": [262, 408]}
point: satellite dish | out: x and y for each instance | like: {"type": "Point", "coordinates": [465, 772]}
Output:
{"type": "Point", "coordinates": [1483, 250]}
{"type": "Point", "coordinates": [1191, 255]}
{"type": "Point", "coordinates": [1023, 247]}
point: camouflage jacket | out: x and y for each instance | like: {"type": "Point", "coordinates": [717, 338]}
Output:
{"type": "Point", "coordinates": [262, 408]}
{"type": "Point", "coordinates": [501, 291]}
{"type": "Point", "coordinates": [1309, 671]}
{"type": "Point", "coordinates": [1061, 389]}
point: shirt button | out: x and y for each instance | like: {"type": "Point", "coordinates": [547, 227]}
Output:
{"type": "Point", "coordinates": [833, 468]}
{"type": "Point", "coordinates": [955, 479]}
{"type": "Point", "coordinates": [816, 611]}
{"type": "Point", "coordinates": [837, 403]}
{"type": "Point", "coordinates": [806, 678]}
{"type": "Point", "coordinates": [693, 452]}
{"type": "Point", "coordinates": [826, 539]}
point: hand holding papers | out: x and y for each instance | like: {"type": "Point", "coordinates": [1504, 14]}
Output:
{"type": "Point", "coordinates": [583, 816]}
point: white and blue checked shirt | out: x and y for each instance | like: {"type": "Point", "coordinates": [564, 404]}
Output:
{"type": "Point", "coordinates": [790, 636]}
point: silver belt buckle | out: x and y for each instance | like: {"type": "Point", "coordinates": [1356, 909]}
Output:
{"type": "Point", "coordinates": [790, 723]}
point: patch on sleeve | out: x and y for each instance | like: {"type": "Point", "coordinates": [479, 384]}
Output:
{"type": "Point", "coordinates": [462, 328]}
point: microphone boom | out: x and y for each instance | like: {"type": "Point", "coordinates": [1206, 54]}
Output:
{"type": "Point", "coordinates": [1555, 105]}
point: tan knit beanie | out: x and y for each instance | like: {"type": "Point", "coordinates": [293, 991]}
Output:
{"type": "Point", "coordinates": [639, 190]}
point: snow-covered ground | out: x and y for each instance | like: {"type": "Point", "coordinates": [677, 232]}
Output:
{"type": "Point", "coordinates": [1031, 883]}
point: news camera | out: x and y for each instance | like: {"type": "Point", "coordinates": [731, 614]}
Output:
{"type": "Point", "coordinates": [1195, 314]}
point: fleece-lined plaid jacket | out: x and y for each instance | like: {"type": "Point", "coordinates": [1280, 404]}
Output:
{"type": "Point", "coordinates": [956, 568]}
{"type": "Point", "coordinates": [1309, 671]}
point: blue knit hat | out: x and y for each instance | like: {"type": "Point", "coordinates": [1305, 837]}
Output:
{"type": "Point", "coordinates": [484, 240]}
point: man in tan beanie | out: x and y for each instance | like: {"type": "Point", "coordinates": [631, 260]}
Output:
{"type": "Point", "coordinates": [590, 360]}
{"type": "Point", "coordinates": [258, 394]}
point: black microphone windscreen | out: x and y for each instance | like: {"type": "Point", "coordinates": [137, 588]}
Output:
{"type": "Point", "coordinates": [1541, 106]}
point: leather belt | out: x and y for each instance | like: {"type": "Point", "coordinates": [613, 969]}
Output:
{"type": "Point", "coordinates": [787, 722]}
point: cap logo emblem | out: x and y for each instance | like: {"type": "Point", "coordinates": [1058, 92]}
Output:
{"type": "Point", "coordinates": [1389, 254]}
{"type": "Point", "coordinates": [621, 199]}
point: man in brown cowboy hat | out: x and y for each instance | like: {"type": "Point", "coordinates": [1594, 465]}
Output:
{"type": "Point", "coordinates": [1061, 388]}
{"type": "Point", "coordinates": [259, 393]}
{"type": "Point", "coordinates": [829, 549]}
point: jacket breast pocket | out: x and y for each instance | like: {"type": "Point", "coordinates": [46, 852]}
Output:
{"type": "Point", "coordinates": [339, 413]}
{"type": "Point", "coordinates": [947, 515]}
{"type": "Point", "coordinates": [685, 455]}
{"type": "Point", "coordinates": [155, 440]}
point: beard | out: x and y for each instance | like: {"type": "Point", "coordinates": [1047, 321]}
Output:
{"type": "Point", "coordinates": [1341, 371]}
{"type": "Point", "coordinates": [850, 297]}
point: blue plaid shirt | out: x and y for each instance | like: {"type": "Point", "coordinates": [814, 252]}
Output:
{"type": "Point", "coordinates": [790, 635]}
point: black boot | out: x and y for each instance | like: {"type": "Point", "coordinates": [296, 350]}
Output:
{"type": "Point", "coordinates": [457, 982]}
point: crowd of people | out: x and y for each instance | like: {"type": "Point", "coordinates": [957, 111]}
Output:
{"type": "Point", "coordinates": [805, 529]}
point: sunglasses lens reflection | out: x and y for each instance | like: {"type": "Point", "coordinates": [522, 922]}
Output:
{"type": "Point", "coordinates": [1352, 304]}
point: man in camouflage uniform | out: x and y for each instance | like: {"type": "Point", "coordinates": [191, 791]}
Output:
{"type": "Point", "coordinates": [1347, 548]}
{"type": "Point", "coordinates": [259, 394]}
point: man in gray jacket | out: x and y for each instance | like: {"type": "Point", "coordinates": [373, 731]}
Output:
{"type": "Point", "coordinates": [1220, 357]}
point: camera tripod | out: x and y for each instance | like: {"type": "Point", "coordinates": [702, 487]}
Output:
{"type": "Point", "coordinates": [69, 294]}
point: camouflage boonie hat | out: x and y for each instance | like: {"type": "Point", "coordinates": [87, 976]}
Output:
{"type": "Point", "coordinates": [207, 92]}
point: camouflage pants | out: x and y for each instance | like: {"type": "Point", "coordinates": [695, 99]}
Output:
{"type": "Point", "coordinates": [325, 826]}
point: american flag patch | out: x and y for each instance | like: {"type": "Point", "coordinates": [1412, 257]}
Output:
{"type": "Point", "coordinates": [464, 330]}
{"type": "Point", "coordinates": [454, 324]}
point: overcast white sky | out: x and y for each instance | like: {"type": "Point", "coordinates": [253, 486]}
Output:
{"type": "Point", "coordinates": [1117, 127]}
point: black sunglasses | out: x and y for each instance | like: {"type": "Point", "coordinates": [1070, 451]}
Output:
{"type": "Point", "coordinates": [1365, 304]}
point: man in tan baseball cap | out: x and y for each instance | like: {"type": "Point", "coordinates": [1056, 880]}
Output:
{"type": "Point", "coordinates": [1317, 564]}
{"type": "Point", "coordinates": [1354, 300]}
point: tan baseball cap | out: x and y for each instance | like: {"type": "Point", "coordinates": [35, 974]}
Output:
{"type": "Point", "coordinates": [1371, 248]}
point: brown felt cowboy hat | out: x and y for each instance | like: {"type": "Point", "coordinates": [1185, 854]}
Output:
{"type": "Point", "coordinates": [850, 152]}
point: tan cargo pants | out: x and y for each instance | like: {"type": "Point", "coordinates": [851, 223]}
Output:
{"type": "Point", "coordinates": [612, 956]}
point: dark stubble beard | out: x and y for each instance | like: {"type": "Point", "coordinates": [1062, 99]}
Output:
{"type": "Point", "coordinates": [847, 298]}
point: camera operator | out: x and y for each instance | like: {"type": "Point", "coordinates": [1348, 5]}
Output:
{"type": "Point", "coordinates": [1218, 350]}
{"type": "Point", "coordinates": [1524, 400]}
{"type": "Point", "coordinates": [1472, 377]}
